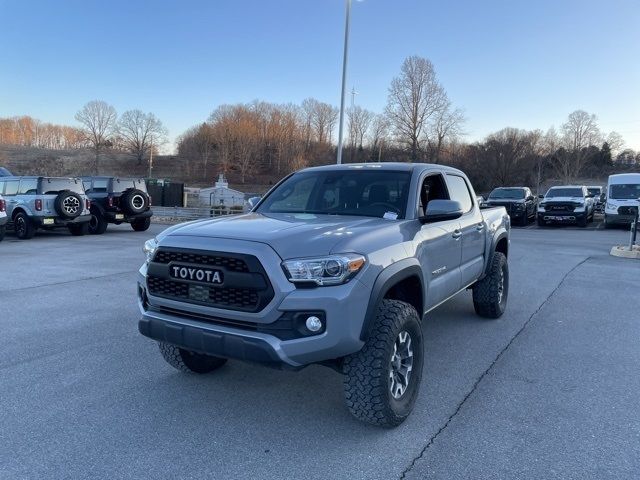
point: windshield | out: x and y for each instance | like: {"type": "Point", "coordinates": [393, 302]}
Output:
{"type": "Point", "coordinates": [513, 193]}
{"type": "Point", "coordinates": [594, 191]}
{"type": "Point", "coordinates": [53, 186]}
{"type": "Point", "coordinates": [122, 184]}
{"type": "Point", "coordinates": [564, 192]}
{"type": "Point", "coordinates": [625, 191]}
{"type": "Point", "coordinates": [364, 193]}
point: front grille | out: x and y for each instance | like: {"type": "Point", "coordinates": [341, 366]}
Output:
{"type": "Point", "coordinates": [246, 288]}
{"type": "Point", "coordinates": [230, 263]}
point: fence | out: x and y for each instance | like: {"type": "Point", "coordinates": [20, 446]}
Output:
{"type": "Point", "coordinates": [184, 214]}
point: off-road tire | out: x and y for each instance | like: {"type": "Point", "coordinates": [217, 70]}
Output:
{"type": "Point", "coordinates": [23, 226]}
{"type": "Point", "coordinates": [63, 210]}
{"type": "Point", "coordinates": [488, 301]}
{"type": "Point", "coordinates": [78, 229]}
{"type": "Point", "coordinates": [134, 201]}
{"type": "Point", "coordinates": [3, 231]}
{"type": "Point", "coordinates": [141, 224]}
{"type": "Point", "coordinates": [367, 384]}
{"type": "Point", "coordinates": [189, 362]}
{"type": "Point", "coordinates": [98, 224]}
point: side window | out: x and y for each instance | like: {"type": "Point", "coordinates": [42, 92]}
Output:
{"type": "Point", "coordinates": [28, 186]}
{"type": "Point", "coordinates": [296, 198]}
{"type": "Point", "coordinates": [1, 187]}
{"type": "Point", "coordinates": [100, 186]}
{"type": "Point", "coordinates": [87, 185]}
{"type": "Point", "coordinates": [433, 188]}
{"type": "Point", "coordinates": [460, 192]}
{"type": "Point", "coordinates": [11, 187]}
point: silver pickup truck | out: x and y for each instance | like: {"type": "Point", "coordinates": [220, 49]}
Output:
{"type": "Point", "coordinates": [336, 265]}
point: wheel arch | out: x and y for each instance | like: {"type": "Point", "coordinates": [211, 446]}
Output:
{"type": "Point", "coordinates": [500, 243]}
{"type": "Point", "coordinates": [401, 281]}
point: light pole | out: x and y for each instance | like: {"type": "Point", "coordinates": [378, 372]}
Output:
{"type": "Point", "coordinates": [344, 81]}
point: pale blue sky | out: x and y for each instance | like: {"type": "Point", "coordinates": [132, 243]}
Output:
{"type": "Point", "coordinates": [524, 64]}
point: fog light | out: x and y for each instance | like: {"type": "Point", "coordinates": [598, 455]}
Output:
{"type": "Point", "coordinates": [314, 324]}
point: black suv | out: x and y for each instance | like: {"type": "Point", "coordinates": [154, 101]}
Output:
{"type": "Point", "coordinates": [118, 200]}
{"type": "Point", "coordinates": [520, 203]}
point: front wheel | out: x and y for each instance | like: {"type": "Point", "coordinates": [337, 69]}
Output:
{"type": "Point", "coordinates": [490, 294]}
{"type": "Point", "coordinates": [141, 225]}
{"type": "Point", "coordinates": [382, 381]}
{"type": "Point", "coordinates": [189, 362]}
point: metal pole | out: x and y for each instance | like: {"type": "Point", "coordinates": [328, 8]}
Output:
{"type": "Point", "coordinates": [344, 81]}
{"type": "Point", "coordinates": [151, 158]}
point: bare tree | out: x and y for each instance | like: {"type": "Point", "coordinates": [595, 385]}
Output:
{"type": "Point", "coordinates": [579, 132]}
{"type": "Point", "coordinates": [414, 97]}
{"type": "Point", "coordinates": [359, 122]}
{"type": "Point", "coordinates": [140, 132]}
{"type": "Point", "coordinates": [446, 126]}
{"type": "Point", "coordinates": [98, 119]}
{"type": "Point", "coordinates": [616, 143]}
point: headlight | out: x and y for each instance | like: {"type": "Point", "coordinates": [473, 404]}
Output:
{"type": "Point", "coordinates": [149, 248]}
{"type": "Point", "coordinates": [331, 270]}
{"type": "Point", "coordinates": [611, 206]}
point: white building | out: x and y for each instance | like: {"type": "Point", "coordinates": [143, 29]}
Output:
{"type": "Point", "coordinates": [221, 195]}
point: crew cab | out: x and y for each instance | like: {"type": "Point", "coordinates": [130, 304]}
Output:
{"type": "Point", "coordinates": [520, 203]}
{"type": "Point", "coordinates": [566, 204]}
{"type": "Point", "coordinates": [336, 265]}
{"type": "Point", "coordinates": [45, 202]}
{"type": "Point", "coordinates": [3, 218]}
{"type": "Point", "coordinates": [623, 196]}
{"type": "Point", "coordinates": [118, 200]}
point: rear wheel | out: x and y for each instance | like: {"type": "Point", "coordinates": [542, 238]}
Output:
{"type": "Point", "coordinates": [78, 229]}
{"type": "Point", "coordinates": [582, 221]}
{"type": "Point", "coordinates": [141, 225]}
{"type": "Point", "coordinates": [490, 294]}
{"type": "Point", "coordinates": [189, 362]}
{"type": "Point", "coordinates": [24, 227]}
{"type": "Point", "coordinates": [382, 381]}
{"type": "Point", "coordinates": [98, 224]}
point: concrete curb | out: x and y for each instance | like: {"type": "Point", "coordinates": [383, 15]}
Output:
{"type": "Point", "coordinates": [623, 251]}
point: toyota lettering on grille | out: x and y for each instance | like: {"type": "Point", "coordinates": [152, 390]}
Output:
{"type": "Point", "coordinates": [204, 275]}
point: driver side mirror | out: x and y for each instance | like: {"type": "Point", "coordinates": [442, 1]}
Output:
{"type": "Point", "coordinates": [253, 201]}
{"type": "Point", "coordinates": [440, 210]}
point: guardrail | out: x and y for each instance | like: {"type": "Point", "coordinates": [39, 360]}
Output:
{"type": "Point", "coordinates": [188, 213]}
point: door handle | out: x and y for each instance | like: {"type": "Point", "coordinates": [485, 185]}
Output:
{"type": "Point", "coordinates": [456, 234]}
{"type": "Point", "coordinates": [480, 227]}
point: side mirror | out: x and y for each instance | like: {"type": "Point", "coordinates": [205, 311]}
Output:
{"type": "Point", "coordinates": [440, 210]}
{"type": "Point", "coordinates": [253, 201]}
{"type": "Point", "coordinates": [540, 197]}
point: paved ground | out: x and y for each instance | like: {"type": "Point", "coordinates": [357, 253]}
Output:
{"type": "Point", "coordinates": [551, 390]}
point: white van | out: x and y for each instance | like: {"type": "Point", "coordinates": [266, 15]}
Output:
{"type": "Point", "coordinates": [623, 191]}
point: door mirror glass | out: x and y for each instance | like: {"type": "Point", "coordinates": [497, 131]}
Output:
{"type": "Point", "coordinates": [440, 210]}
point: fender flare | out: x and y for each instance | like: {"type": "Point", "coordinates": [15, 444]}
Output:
{"type": "Point", "coordinates": [500, 234]}
{"type": "Point", "coordinates": [18, 209]}
{"type": "Point", "coordinates": [389, 277]}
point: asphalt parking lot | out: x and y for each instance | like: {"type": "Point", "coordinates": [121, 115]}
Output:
{"type": "Point", "coordinates": [550, 390]}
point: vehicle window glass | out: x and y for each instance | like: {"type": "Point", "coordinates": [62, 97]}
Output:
{"type": "Point", "coordinates": [53, 186]}
{"type": "Point", "coordinates": [593, 191]}
{"type": "Point", "coordinates": [364, 193]}
{"type": "Point", "coordinates": [11, 187]}
{"type": "Point", "coordinates": [626, 191]}
{"type": "Point", "coordinates": [28, 186]}
{"type": "Point", "coordinates": [87, 185]}
{"type": "Point", "coordinates": [511, 193]}
{"type": "Point", "coordinates": [122, 184]}
{"type": "Point", "coordinates": [433, 188]}
{"type": "Point", "coordinates": [1, 187]}
{"type": "Point", "coordinates": [459, 192]}
{"type": "Point", "coordinates": [100, 186]}
{"type": "Point", "coordinates": [565, 192]}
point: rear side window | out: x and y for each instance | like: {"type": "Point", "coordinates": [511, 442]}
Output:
{"type": "Point", "coordinates": [28, 186]}
{"type": "Point", "coordinates": [122, 184]}
{"type": "Point", "coordinates": [459, 192]}
{"type": "Point", "coordinates": [1, 187]}
{"type": "Point", "coordinates": [53, 186]}
{"type": "Point", "coordinates": [11, 187]}
{"type": "Point", "coordinates": [100, 186]}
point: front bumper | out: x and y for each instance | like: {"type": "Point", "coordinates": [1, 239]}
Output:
{"type": "Point", "coordinates": [59, 222]}
{"type": "Point", "coordinates": [617, 219]}
{"type": "Point", "coordinates": [562, 217]}
{"type": "Point", "coordinates": [258, 336]}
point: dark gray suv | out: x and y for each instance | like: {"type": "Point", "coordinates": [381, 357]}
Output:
{"type": "Point", "coordinates": [45, 202]}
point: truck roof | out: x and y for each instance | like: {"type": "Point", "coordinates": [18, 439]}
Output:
{"type": "Point", "coordinates": [389, 166]}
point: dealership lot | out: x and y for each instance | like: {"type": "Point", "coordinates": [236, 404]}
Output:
{"type": "Point", "coordinates": [550, 390]}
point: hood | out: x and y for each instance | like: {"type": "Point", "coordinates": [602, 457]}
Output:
{"type": "Point", "coordinates": [290, 235]}
{"type": "Point", "coordinates": [504, 201]}
{"type": "Point", "coordinates": [564, 200]}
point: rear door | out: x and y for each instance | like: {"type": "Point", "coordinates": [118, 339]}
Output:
{"type": "Point", "coordinates": [472, 227]}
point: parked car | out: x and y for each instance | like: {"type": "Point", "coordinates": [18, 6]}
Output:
{"type": "Point", "coordinates": [118, 200]}
{"type": "Point", "coordinates": [45, 202]}
{"type": "Point", "coordinates": [336, 265]}
{"type": "Point", "coordinates": [566, 204]}
{"type": "Point", "coordinates": [598, 195]}
{"type": "Point", "coordinates": [520, 203]}
{"type": "Point", "coordinates": [623, 194]}
{"type": "Point", "coordinates": [3, 218]}
{"type": "Point", "coordinates": [4, 172]}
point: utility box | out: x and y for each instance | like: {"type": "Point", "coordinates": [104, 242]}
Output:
{"type": "Point", "coordinates": [165, 193]}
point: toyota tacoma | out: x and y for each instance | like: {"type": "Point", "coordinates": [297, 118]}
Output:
{"type": "Point", "coordinates": [336, 265]}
